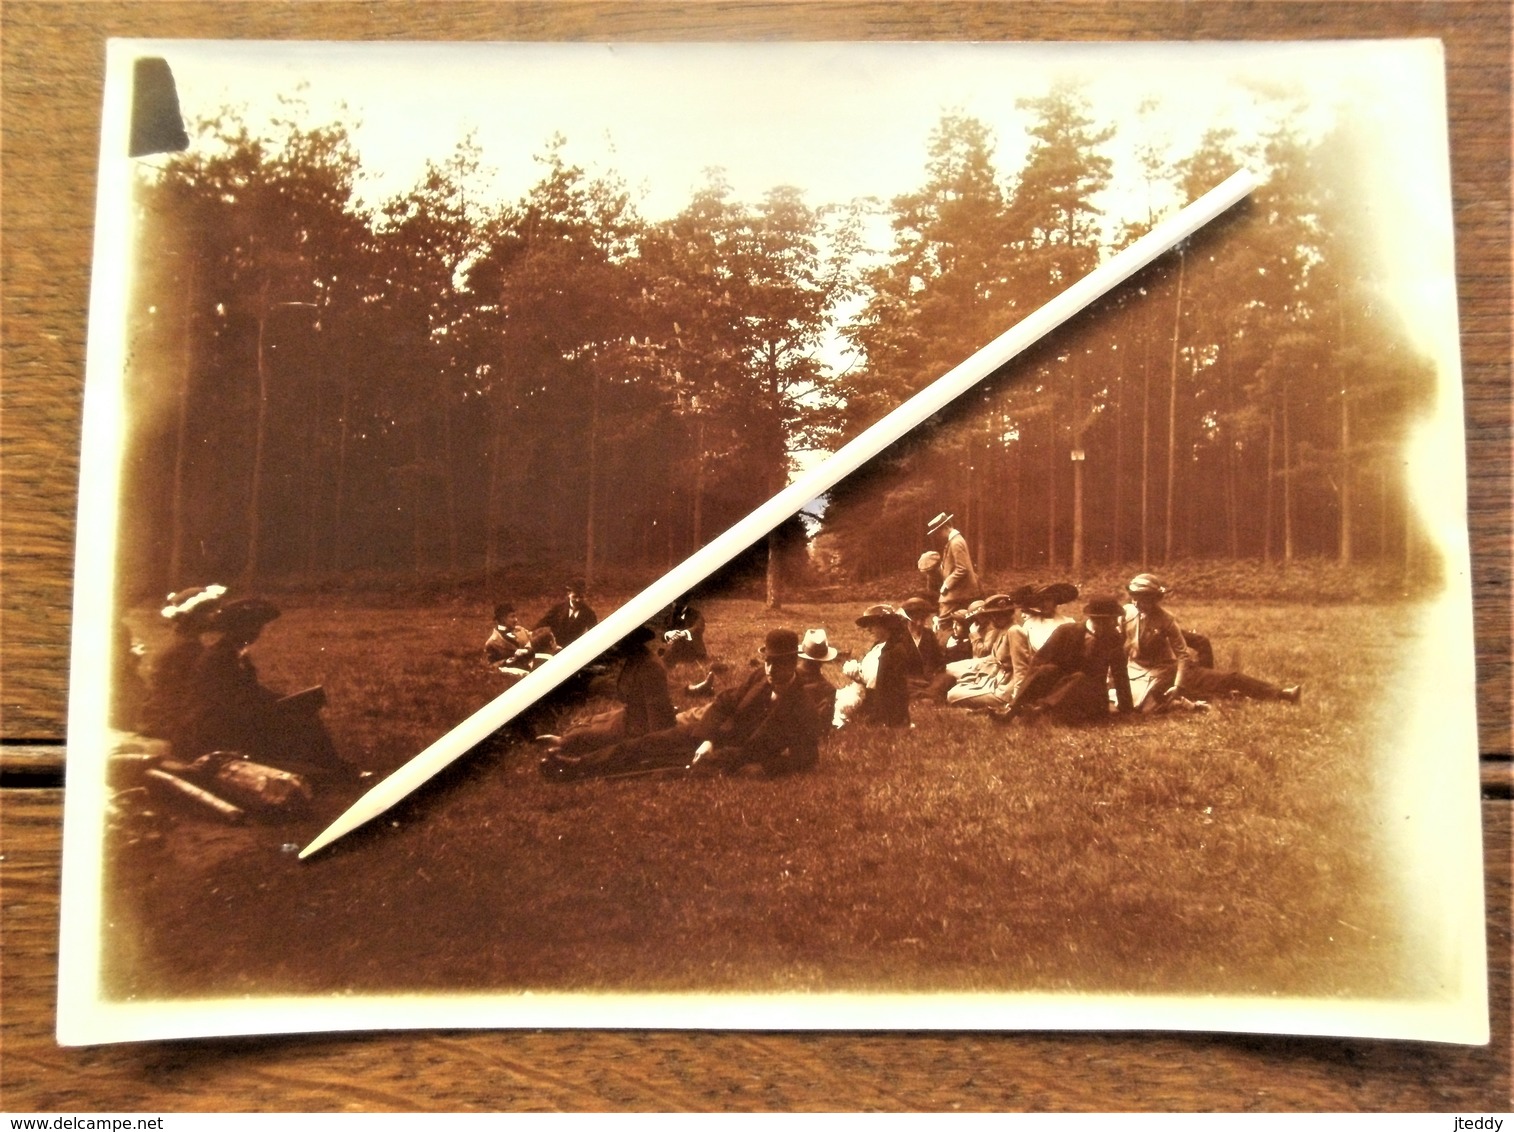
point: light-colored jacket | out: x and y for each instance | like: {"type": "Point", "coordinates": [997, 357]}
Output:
{"type": "Point", "coordinates": [959, 581]}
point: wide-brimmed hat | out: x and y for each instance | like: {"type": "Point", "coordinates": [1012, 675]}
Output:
{"type": "Point", "coordinates": [244, 615]}
{"type": "Point", "coordinates": [1058, 593]}
{"type": "Point", "coordinates": [1104, 605]}
{"type": "Point", "coordinates": [1022, 596]}
{"type": "Point", "coordinates": [998, 603]}
{"type": "Point", "coordinates": [938, 522]}
{"type": "Point", "coordinates": [779, 643]}
{"type": "Point", "coordinates": [915, 607]}
{"type": "Point", "coordinates": [1146, 584]}
{"type": "Point", "coordinates": [928, 561]}
{"type": "Point", "coordinates": [194, 605]}
{"type": "Point", "coordinates": [879, 615]}
{"type": "Point", "coordinates": [973, 611]}
{"type": "Point", "coordinates": [816, 647]}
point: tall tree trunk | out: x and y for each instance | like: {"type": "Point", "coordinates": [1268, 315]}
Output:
{"type": "Point", "coordinates": [774, 572]}
{"type": "Point", "coordinates": [1345, 472]}
{"type": "Point", "coordinates": [1077, 470]}
{"type": "Point", "coordinates": [493, 503]}
{"type": "Point", "coordinates": [1117, 535]}
{"type": "Point", "coordinates": [1287, 482]}
{"type": "Point", "coordinates": [698, 481]}
{"type": "Point", "coordinates": [1015, 481]}
{"type": "Point", "coordinates": [449, 474]}
{"type": "Point", "coordinates": [1146, 453]}
{"type": "Point", "coordinates": [339, 501]}
{"type": "Point", "coordinates": [593, 493]}
{"type": "Point", "coordinates": [260, 437]}
{"type": "Point", "coordinates": [181, 439]}
{"type": "Point", "coordinates": [1268, 510]}
{"type": "Point", "coordinates": [1172, 412]}
{"type": "Point", "coordinates": [1051, 490]}
{"type": "Point", "coordinates": [1345, 492]}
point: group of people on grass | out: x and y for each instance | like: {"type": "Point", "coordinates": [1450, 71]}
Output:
{"type": "Point", "coordinates": [1010, 656]}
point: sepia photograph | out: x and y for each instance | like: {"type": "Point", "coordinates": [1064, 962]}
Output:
{"type": "Point", "coordinates": [1101, 698]}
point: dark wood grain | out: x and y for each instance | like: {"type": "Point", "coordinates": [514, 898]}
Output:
{"type": "Point", "coordinates": [52, 69]}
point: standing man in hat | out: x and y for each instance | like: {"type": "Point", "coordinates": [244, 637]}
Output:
{"type": "Point", "coordinates": [959, 581]}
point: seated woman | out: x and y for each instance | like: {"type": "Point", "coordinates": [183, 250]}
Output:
{"type": "Point", "coordinates": [1039, 620]}
{"type": "Point", "coordinates": [234, 712]}
{"type": "Point", "coordinates": [878, 687]}
{"type": "Point", "coordinates": [959, 643]}
{"type": "Point", "coordinates": [169, 708]}
{"type": "Point", "coordinates": [982, 682]}
{"type": "Point", "coordinates": [1073, 673]}
{"type": "Point", "coordinates": [1162, 666]}
{"type": "Point", "coordinates": [640, 686]}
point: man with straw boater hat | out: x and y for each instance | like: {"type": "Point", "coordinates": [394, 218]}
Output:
{"type": "Point", "coordinates": [768, 720]}
{"type": "Point", "coordinates": [959, 581]}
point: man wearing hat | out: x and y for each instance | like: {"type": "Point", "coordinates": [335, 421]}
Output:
{"type": "Point", "coordinates": [768, 719]}
{"type": "Point", "coordinates": [1163, 669]}
{"type": "Point", "coordinates": [959, 581]}
{"type": "Point", "coordinates": [815, 651]}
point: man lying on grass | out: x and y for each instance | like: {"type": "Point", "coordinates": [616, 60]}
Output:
{"type": "Point", "coordinates": [769, 720]}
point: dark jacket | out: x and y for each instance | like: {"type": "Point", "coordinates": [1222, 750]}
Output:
{"type": "Point", "coordinates": [566, 625]}
{"type": "Point", "coordinates": [642, 686]}
{"type": "Point", "coordinates": [779, 729]}
{"type": "Point", "coordinates": [887, 702]}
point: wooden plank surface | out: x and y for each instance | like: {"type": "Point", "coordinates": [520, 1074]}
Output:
{"type": "Point", "coordinates": [52, 76]}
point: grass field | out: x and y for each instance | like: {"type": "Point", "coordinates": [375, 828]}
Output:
{"type": "Point", "coordinates": [1235, 852]}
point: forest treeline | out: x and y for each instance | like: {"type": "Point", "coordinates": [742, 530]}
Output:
{"type": "Point", "coordinates": [449, 385]}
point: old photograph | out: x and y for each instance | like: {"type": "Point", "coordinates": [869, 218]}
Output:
{"type": "Point", "coordinates": [1134, 689]}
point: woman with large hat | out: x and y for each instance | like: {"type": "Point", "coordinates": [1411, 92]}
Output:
{"type": "Point", "coordinates": [236, 713]}
{"type": "Point", "coordinates": [1039, 620]}
{"type": "Point", "coordinates": [170, 705]}
{"type": "Point", "coordinates": [979, 684]}
{"type": "Point", "coordinates": [879, 688]}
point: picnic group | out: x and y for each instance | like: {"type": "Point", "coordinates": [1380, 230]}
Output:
{"type": "Point", "coordinates": [1042, 652]}
{"type": "Point", "coordinates": [1039, 653]}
